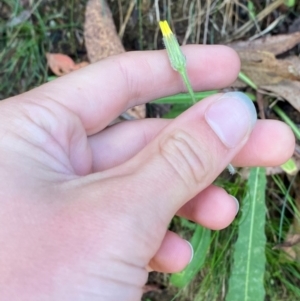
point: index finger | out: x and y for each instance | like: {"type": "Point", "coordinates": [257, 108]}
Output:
{"type": "Point", "coordinates": [102, 91]}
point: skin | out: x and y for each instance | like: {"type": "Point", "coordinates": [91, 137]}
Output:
{"type": "Point", "coordinates": [84, 207]}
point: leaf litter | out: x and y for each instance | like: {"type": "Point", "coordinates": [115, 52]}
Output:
{"type": "Point", "coordinates": [61, 64]}
{"type": "Point", "coordinates": [260, 64]}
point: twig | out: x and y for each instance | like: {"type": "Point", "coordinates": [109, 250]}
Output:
{"type": "Point", "coordinates": [128, 14]}
{"type": "Point", "coordinates": [247, 26]}
{"type": "Point", "coordinates": [269, 28]}
{"type": "Point", "coordinates": [206, 22]}
{"type": "Point", "coordinates": [198, 22]}
{"type": "Point", "coordinates": [157, 11]}
{"type": "Point", "coordinates": [260, 103]}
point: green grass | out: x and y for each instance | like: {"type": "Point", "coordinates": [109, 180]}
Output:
{"type": "Point", "coordinates": [23, 46]}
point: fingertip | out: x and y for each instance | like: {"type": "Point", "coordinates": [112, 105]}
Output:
{"type": "Point", "coordinates": [173, 255]}
{"type": "Point", "coordinates": [231, 61]}
{"type": "Point", "coordinates": [272, 143]}
{"type": "Point", "coordinates": [212, 208]}
{"type": "Point", "coordinates": [288, 142]}
{"type": "Point", "coordinates": [230, 64]}
{"type": "Point", "coordinates": [221, 67]}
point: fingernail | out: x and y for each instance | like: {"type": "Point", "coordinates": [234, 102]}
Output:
{"type": "Point", "coordinates": [232, 117]}
{"type": "Point", "coordinates": [192, 251]}
{"type": "Point", "coordinates": [237, 204]}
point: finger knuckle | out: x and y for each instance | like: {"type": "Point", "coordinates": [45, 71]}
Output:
{"type": "Point", "coordinates": [186, 156]}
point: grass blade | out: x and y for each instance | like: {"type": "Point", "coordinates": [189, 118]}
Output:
{"type": "Point", "coordinates": [246, 282]}
{"type": "Point", "coordinates": [185, 98]}
{"type": "Point", "coordinates": [200, 242]}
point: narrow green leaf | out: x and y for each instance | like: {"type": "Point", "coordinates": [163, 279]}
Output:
{"type": "Point", "coordinates": [184, 98]}
{"type": "Point", "coordinates": [246, 282]}
{"type": "Point", "coordinates": [200, 242]}
{"type": "Point", "coordinates": [247, 80]}
{"type": "Point", "coordinates": [287, 120]}
{"type": "Point", "coordinates": [176, 111]}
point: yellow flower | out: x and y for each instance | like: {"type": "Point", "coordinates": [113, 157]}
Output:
{"type": "Point", "coordinates": [176, 57]}
{"type": "Point", "coordinates": [165, 28]}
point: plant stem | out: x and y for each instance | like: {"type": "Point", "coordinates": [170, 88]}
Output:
{"type": "Point", "coordinates": [287, 120]}
{"type": "Point", "coordinates": [243, 77]}
{"type": "Point", "coordinates": [187, 83]}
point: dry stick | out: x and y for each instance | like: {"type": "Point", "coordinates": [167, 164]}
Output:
{"type": "Point", "coordinates": [269, 28]}
{"type": "Point", "coordinates": [190, 24]}
{"type": "Point", "coordinates": [198, 22]}
{"type": "Point", "coordinates": [247, 26]}
{"type": "Point", "coordinates": [260, 103]}
{"type": "Point", "coordinates": [157, 20]}
{"type": "Point", "coordinates": [157, 11]}
{"type": "Point", "coordinates": [128, 14]}
{"type": "Point", "coordinates": [227, 7]}
{"type": "Point", "coordinates": [206, 21]}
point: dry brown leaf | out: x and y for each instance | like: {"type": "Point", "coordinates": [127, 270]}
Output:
{"type": "Point", "coordinates": [275, 44]}
{"type": "Point", "coordinates": [281, 77]}
{"type": "Point", "coordinates": [287, 89]}
{"type": "Point", "coordinates": [61, 64]}
{"type": "Point", "coordinates": [264, 69]}
{"type": "Point", "coordinates": [101, 38]}
{"type": "Point", "coordinates": [291, 246]}
{"type": "Point", "coordinates": [259, 63]}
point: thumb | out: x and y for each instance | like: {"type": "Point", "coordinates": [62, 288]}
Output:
{"type": "Point", "coordinates": [189, 154]}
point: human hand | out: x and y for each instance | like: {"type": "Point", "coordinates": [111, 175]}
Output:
{"type": "Point", "coordinates": [85, 208]}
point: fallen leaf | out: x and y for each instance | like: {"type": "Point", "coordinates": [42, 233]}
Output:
{"type": "Point", "coordinates": [287, 89]}
{"type": "Point", "coordinates": [264, 69]}
{"type": "Point", "coordinates": [281, 77]}
{"type": "Point", "coordinates": [61, 64]}
{"type": "Point", "coordinates": [275, 44]}
{"type": "Point", "coordinates": [291, 246]}
{"type": "Point", "coordinates": [101, 38]}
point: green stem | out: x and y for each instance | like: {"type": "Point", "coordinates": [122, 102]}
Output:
{"type": "Point", "coordinates": [188, 85]}
{"type": "Point", "coordinates": [287, 120]}
{"type": "Point", "coordinates": [243, 77]}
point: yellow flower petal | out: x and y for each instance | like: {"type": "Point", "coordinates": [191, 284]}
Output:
{"type": "Point", "coordinates": [165, 28]}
